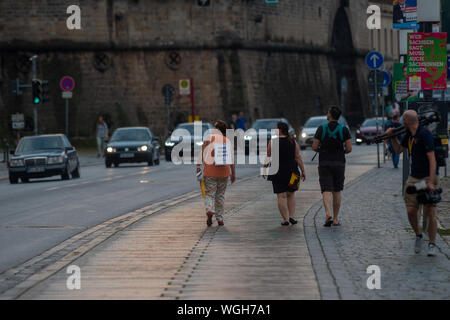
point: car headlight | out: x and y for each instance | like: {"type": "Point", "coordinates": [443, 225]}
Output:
{"type": "Point", "coordinates": [55, 160]}
{"type": "Point", "coordinates": [274, 136]}
{"type": "Point", "coordinates": [110, 149]}
{"type": "Point", "coordinates": [16, 163]}
{"type": "Point", "coordinates": [304, 135]}
{"type": "Point", "coordinates": [143, 148]}
{"type": "Point", "coordinates": [358, 131]}
{"type": "Point", "coordinates": [199, 143]}
{"type": "Point", "coordinates": [248, 138]}
{"type": "Point", "coordinates": [170, 144]}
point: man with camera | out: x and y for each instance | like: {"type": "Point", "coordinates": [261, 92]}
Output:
{"type": "Point", "coordinates": [420, 145]}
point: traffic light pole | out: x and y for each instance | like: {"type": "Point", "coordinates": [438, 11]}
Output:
{"type": "Point", "coordinates": [35, 110]}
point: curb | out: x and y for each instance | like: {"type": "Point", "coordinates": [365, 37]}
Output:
{"type": "Point", "coordinates": [330, 273]}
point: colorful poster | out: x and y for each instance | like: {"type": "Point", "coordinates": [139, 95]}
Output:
{"type": "Point", "coordinates": [400, 89]}
{"type": "Point", "coordinates": [405, 14]}
{"type": "Point", "coordinates": [427, 61]}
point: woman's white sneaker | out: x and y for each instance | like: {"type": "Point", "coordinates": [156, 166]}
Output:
{"type": "Point", "coordinates": [432, 250]}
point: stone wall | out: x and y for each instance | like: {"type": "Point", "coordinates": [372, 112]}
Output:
{"type": "Point", "coordinates": [266, 60]}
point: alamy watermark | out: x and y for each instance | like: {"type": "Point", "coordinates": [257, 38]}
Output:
{"type": "Point", "coordinates": [187, 148]}
{"type": "Point", "coordinates": [73, 281]}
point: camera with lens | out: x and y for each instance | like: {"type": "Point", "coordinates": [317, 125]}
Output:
{"type": "Point", "coordinates": [423, 194]}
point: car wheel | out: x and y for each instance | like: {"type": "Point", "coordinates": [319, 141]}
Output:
{"type": "Point", "coordinates": [116, 164]}
{"type": "Point", "coordinates": [108, 163]}
{"type": "Point", "coordinates": [76, 172]}
{"type": "Point", "coordinates": [13, 179]}
{"type": "Point", "coordinates": [25, 180]}
{"type": "Point", "coordinates": [66, 174]}
{"type": "Point", "coordinates": [358, 143]}
{"type": "Point", "coordinates": [150, 163]}
{"type": "Point", "coordinates": [302, 148]}
{"type": "Point", "coordinates": [168, 157]}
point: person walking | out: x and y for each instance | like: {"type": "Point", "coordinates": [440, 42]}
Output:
{"type": "Point", "coordinates": [102, 135]}
{"type": "Point", "coordinates": [394, 123]}
{"type": "Point", "coordinates": [241, 121]}
{"type": "Point", "coordinates": [420, 144]}
{"type": "Point", "coordinates": [329, 142]}
{"type": "Point", "coordinates": [217, 168]}
{"type": "Point", "coordinates": [233, 124]}
{"type": "Point", "coordinates": [289, 161]}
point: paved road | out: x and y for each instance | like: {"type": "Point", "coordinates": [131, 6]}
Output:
{"type": "Point", "coordinates": [39, 215]}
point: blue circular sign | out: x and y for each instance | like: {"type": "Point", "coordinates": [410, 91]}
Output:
{"type": "Point", "coordinates": [387, 79]}
{"type": "Point", "coordinates": [374, 60]}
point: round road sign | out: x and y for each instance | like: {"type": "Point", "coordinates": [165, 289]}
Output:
{"type": "Point", "coordinates": [67, 83]}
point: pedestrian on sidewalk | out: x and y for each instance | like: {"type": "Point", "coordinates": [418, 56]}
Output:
{"type": "Point", "coordinates": [329, 142]}
{"type": "Point", "coordinates": [420, 144]}
{"type": "Point", "coordinates": [102, 135]}
{"type": "Point", "coordinates": [217, 168]}
{"type": "Point", "coordinates": [289, 161]}
{"type": "Point", "coordinates": [394, 123]}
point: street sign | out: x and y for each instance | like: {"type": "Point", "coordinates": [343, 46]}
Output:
{"type": "Point", "coordinates": [374, 60]}
{"type": "Point", "coordinates": [67, 83]}
{"type": "Point", "coordinates": [386, 79]}
{"type": "Point", "coordinates": [380, 79]}
{"type": "Point", "coordinates": [448, 67]}
{"type": "Point", "coordinates": [18, 121]}
{"type": "Point", "coordinates": [185, 87]}
{"type": "Point", "coordinates": [67, 94]}
{"type": "Point", "coordinates": [168, 92]}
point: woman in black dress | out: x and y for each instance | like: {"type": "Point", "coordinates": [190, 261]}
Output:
{"type": "Point", "coordinates": [289, 161]}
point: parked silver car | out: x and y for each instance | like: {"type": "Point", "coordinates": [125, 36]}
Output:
{"type": "Point", "coordinates": [308, 131]}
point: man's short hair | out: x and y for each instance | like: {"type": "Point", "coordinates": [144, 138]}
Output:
{"type": "Point", "coordinates": [335, 112]}
{"type": "Point", "coordinates": [396, 116]}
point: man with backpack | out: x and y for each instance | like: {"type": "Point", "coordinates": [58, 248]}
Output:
{"type": "Point", "coordinates": [332, 141]}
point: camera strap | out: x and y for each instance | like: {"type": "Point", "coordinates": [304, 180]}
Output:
{"type": "Point", "coordinates": [411, 144]}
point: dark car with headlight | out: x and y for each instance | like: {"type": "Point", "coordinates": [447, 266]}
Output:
{"type": "Point", "coordinates": [368, 130]}
{"type": "Point", "coordinates": [262, 129]}
{"type": "Point", "coordinates": [132, 145]}
{"type": "Point", "coordinates": [43, 156]}
{"type": "Point", "coordinates": [190, 132]}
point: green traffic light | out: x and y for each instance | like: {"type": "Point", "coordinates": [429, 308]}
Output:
{"type": "Point", "coordinates": [37, 100]}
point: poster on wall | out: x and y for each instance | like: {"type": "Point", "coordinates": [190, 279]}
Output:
{"type": "Point", "coordinates": [427, 61]}
{"type": "Point", "coordinates": [400, 83]}
{"type": "Point", "coordinates": [405, 14]}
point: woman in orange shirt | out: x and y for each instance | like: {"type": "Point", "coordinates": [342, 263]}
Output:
{"type": "Point", "coordinates": [216, 171]}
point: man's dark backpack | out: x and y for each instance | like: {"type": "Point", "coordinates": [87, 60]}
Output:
{"type": "Point", "coordinates": [332, 141]}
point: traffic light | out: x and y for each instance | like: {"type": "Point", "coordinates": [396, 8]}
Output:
{"type": "Point", "coordinates": [44, 91]}
{"type": "Point", "coordinates": [36, 86]}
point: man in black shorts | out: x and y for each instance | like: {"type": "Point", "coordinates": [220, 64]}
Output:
{"type": "Point", "coordinates": [329, 141]}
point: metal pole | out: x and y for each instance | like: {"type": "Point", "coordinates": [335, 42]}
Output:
{"type": "Point", "coordinates": [405, 162]}
{"type": "Point", "coordinates": [168, 118]}
{"type": "Point", "coordinates": [376, 115]}
{"type": "Point", "coordinates": [35, 110]}
{"type": "Point", "coordinates": [67, 117]}
{"type": "Point", "coordinates": [382, 129]}
{"type": "Point", "coordinates": [192, 100]}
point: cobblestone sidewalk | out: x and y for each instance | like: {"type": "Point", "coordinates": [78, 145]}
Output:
{"type": "Point", "coordinates": [374, 231]}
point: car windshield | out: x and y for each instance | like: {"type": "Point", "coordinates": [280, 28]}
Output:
{"type": "Point", "coordinates": [371, 123]}
{"type": "Point", "coordinates": [130, 135]}
{"type": "Point", "coordinates": [190, 127]}
{"type": "Point", "coordinates": [315, 122]}
{"type": "Point", "coordinates": [39, 143]}
{"type": "Point", "coordinates": [267, 124]}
